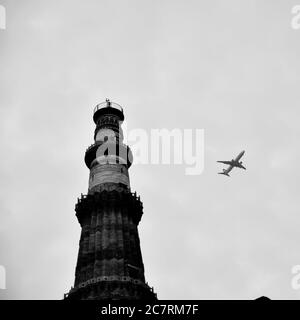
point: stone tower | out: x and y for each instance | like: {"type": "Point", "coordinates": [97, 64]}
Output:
{"type": "Point", "coordinates": [109, 264]}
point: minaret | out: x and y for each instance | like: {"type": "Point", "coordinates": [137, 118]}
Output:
{"type": "Point", "coordinates": [109, 264]}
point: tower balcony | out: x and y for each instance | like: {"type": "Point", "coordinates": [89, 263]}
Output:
{"type": "Point", "coordinates": [122, 153]}
{"type": "Point", "coordinates": [108, 108]}
{"type": "Point", "coordinates": [122, 199]}
{"type": "Point", "coordinates": [108, 288]}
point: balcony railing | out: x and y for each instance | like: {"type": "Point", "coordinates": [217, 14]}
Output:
{"type": "Point", "coordinates": [108, 104]}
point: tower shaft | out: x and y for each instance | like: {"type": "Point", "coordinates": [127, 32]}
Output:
{"type": "Point", "coordinates": [109, 264]}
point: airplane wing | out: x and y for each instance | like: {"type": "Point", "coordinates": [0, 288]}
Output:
{"type": "Point", "coordinates": [226, 162]}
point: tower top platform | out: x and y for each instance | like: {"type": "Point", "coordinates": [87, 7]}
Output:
{"type": "Point", "coordinates": [108, 107]}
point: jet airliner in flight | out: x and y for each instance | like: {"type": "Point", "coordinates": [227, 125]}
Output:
{"type": "Point", "coordinates": [232, 164]}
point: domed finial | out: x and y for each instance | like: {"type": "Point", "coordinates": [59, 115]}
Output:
{"type": "Point", "coordinates": [107, 102]}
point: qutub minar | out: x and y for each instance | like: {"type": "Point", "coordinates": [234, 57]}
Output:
{"type": "Point", "coordinates": [109, 264]}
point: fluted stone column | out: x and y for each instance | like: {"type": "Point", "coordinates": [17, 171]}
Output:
{"type": "Point", "coordinates": [109, 264]}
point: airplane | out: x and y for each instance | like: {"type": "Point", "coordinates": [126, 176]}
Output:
{"type": "Point", "coordinates": [233, 163]}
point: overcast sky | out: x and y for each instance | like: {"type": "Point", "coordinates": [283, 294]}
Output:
{"type": "Point", "coordinates": [230, 67]}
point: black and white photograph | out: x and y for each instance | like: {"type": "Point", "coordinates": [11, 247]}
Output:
{"type": "Point", "coordinates": [149, 151]}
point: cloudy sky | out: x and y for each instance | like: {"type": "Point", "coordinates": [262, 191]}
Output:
{"type": "Point", "coordinates": [230, 67]}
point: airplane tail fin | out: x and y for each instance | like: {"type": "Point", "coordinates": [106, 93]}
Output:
{"type": "Point", "coordinates": [225, 174]}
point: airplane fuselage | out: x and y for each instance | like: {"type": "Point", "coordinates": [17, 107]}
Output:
{"type": "Point", "coordinates": [233, 163]}
{"type": "Point", "coordinates": [239, 156]}
{"type": "Point", "coordinates": [236, 162]}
